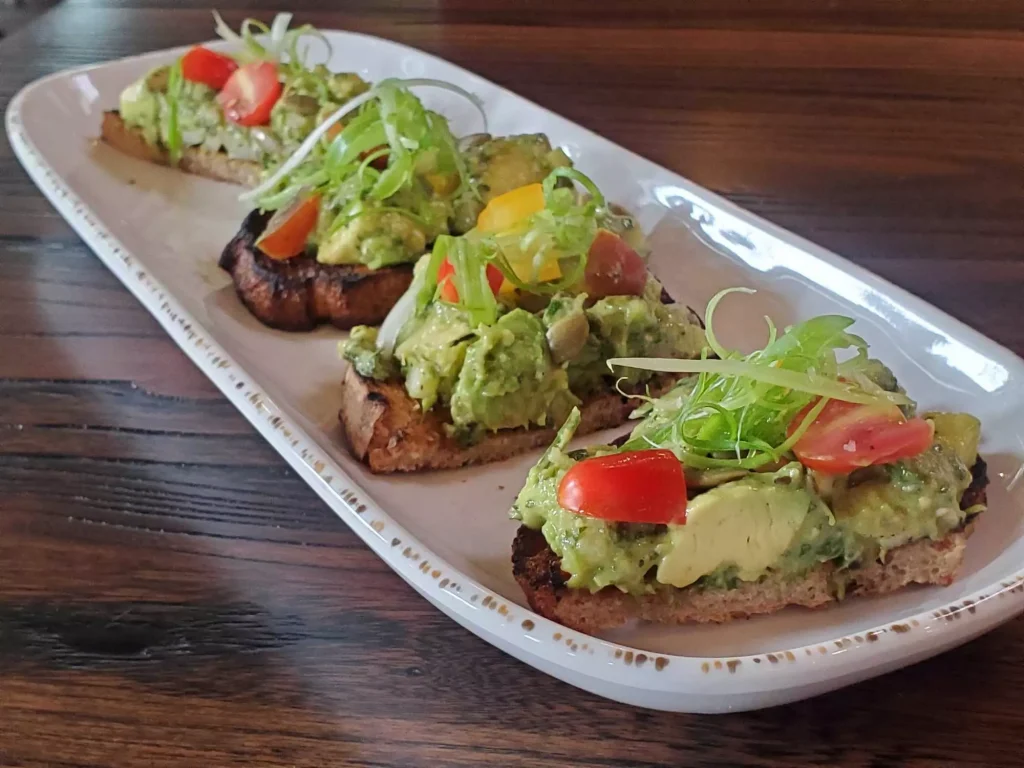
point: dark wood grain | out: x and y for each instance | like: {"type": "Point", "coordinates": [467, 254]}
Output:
{"type": "Point", "coordinates": [172, 595]}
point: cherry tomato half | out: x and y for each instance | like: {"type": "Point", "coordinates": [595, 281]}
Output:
{"type": "Point", "coordinates": [613, 268]}
{"type": "Point", "coordinates": [201, 65]}
{"type": "Point", "coordinates": [631, 487]}
{"type": "Point", "coordinates": [250, 93]}
{"type": "Point", "coordinates": [289, 229]}
{"type": "Point", "coordinates": [448, 290]}
{"type": "Point", "coordinates": [848, 436]}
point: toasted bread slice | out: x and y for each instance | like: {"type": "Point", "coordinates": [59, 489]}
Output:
{"type": "Point", "coordinates": [538, 571]}
{"type": "Point", "coordinates": [390, 432]}
{"type": "Point", "coordinates": [299, 294]}
{"type": "Point", "coordinates": [212, 165]}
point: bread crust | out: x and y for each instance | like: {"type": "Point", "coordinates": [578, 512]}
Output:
{"type": "Point", "coordinates": [387, 429]}
{"type": "Point", "coordinates": [301, 293]}
{"type": "Point", "coordinates": [538, 572]}
{"type": "Point", "coordinates": [199, 162]}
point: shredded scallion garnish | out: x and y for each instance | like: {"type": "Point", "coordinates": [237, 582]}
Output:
{"type": "Point", "coordinates": [279, 44]}
{"type": "Point", "coordinates": [740, 411]}
{"type": "Point", "coordinates": [393, 117]}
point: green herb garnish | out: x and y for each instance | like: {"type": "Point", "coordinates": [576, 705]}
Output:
{"type": "Point", "coordinates": [737, 410]}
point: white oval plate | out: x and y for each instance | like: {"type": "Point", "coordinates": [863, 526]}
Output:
{"type": "Point", "coordinates": [447, 533]}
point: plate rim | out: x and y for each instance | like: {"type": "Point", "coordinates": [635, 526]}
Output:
{"type": "Point", "coordinates": [632, 673]}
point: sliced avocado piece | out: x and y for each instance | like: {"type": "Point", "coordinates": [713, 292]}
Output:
{"type": "Point", "coordinates": [960, 432]}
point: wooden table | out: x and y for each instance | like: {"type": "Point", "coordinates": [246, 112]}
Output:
{"type": "Point", "coordinates": [172, 594]}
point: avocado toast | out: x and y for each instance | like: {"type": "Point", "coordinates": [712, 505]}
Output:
{"type": "Point", "coordinates": [228, 117]}
{"type": "Point", "coordinates": [334, 239]}
{"type": "Point", "coordinates": [506, 329]}
{"type": "Point", "coordinates": [783, 477]}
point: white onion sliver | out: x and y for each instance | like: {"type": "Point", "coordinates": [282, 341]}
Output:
{"type": "Point", "coordinates": [306, 147]}
{"type": "Point", "coordinates": [224, 31]}
{"type": "Point", "coordinates": [396, 319]}
{"type": "Point", "coordinates": [277, 33]}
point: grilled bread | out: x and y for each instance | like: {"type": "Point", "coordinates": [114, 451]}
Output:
{"type": "Point", "coordinates": [300, 293]}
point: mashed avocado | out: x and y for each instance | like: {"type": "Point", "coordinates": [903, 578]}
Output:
{"type": "Point", "coordinates": [306, 97]}
{"type": "Point", "coordinates": [376, 238]}
{"type": "Point", "coordinates": [784, 522]}
{"type": "Point", "coordinates": [360, 349]}
{"type": "Point", "coordinates": [596, 554]}
{"type": "Point", "coordinates": [627, 326]}
{"type": "Point", "coordinates": [383, 236]}
{"type": "Point", "coordinates": [912, 498]}
{"type": "Point", "coordinates": [527, 368]}
{"type": "Point", "coordinates": [636, 326]}
{"type": "Point", "coordinates": [431, 350]}
{"type": "Point", "coordinates": [508, 379]}
{"type": "Point", "coordinates": [140, 107]}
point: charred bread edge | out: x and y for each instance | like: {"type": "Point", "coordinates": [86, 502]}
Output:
{"type": "Point", "coordinates": [538, 572]}
{"type": "Point", "coordinates": [386, 428]}
{"type": "Point", "coordinates": [212, 165]}
{"type": "Point", "coordinates": [299, 294]}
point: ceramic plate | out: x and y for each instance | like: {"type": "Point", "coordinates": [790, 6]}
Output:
{"type": "Point", "coordinates": [447, 533]}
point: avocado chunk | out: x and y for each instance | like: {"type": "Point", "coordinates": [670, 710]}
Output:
{"type": "Point", "coordinates": [508, 378]}
{"type": "Point", "coordinates": [360, 350]}
{"type": "Point", "coordinates": [140, 108]}
{"type": "Point", "coordinates": [376, 238]}
{"type": "Point", "coordinates": [431, 350]}
{"type": "Point", "coordinates": [745, 526]}
{"type": "Point", "coordinates": [960, 432]}
{"type": "Point", "coordinates": [567, 327]}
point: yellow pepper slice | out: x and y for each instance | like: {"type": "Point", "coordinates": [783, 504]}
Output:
{"type": "Point", "coordinates": [505, 211]}
{"type": "Point", "coordinates": [502, 214]}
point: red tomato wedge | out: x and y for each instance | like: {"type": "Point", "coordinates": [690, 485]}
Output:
{"type": "Point", "coordinates": [448, 290]}
{"type": "Point", "coordinates": [334, 130]}
{"type": "Point", "coordinates": [250, 93]}
{"type": "Point", "coordinates": [848, 436]}
{"type": "Point", "coordinates": [288, 230]}
{"type": "Point", "coordinates": [201, 65]}
{"type": "Point", "coordinates": [613, 268]}
{"type": "Point", "coordinates": [380, 163]}
{"type": "Point", "coordinates": [631, 487]}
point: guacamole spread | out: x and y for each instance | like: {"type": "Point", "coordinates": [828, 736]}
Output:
{"type": "Point", "coordinates": [307, 97]}
{"type": "Point", "coordinates": [784, 522]}
{"type": "Point", "coordinates": [528, 367]}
